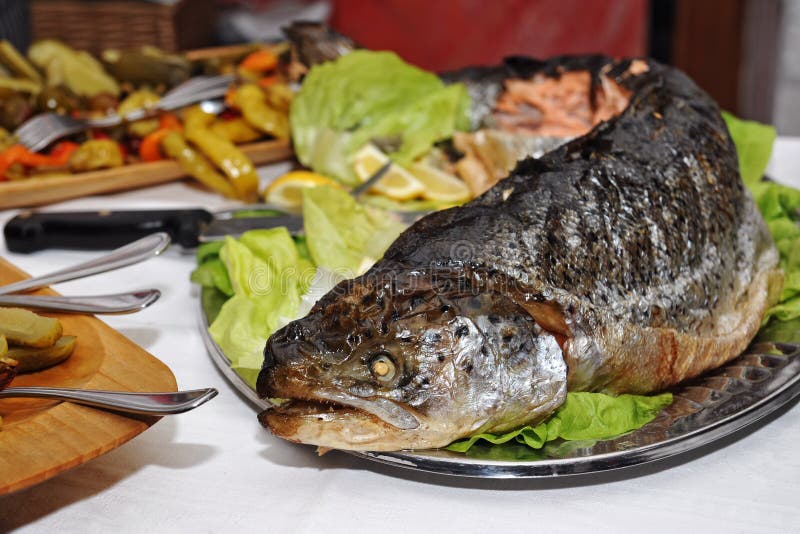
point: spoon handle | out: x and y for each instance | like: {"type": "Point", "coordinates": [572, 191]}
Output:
{"type": "Point", "coordinates": [167, 403]}
{"type": "Point", "coordinates": [129, 254]}
{"type": "Point", "coordinates": [96, 304]}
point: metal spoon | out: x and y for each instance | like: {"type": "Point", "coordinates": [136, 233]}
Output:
{"type": "Point", "coordinates": [166, 403]}
{"type": "Point", "coordinates": [131, 253]}
{"type": "Point", "coordinates": [95, 304]}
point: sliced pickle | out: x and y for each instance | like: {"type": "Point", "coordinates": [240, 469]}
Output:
{"type": "Point", "coordinates": [7, 372]}
{"type": "Point", "coordinates": [3, 345]}
{"type": "Point", "coordinates": [31, 359]}
{"type": "Point", "coordinates": [23, 327]}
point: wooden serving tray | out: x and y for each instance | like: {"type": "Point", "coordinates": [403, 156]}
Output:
{"type": "Point", "coordinates": [41, 438]}
{"type": "Point", "coordinates": [46, 190]}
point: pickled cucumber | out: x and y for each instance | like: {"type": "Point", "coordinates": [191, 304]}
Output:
{"type": "Point", "coordinates": [33, 359]}
{"type": "Point", "coordinates": [7, 365]}
{"type": "Point", "coordinates": [23, 327]}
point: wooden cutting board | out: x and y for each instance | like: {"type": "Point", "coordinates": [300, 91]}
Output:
{"type": "Point", "coordinates": [40, 438]}
{"type": "Point", "coordinates": [46, 190]}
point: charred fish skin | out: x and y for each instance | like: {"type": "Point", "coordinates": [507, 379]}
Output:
{"type": "Point", "coordinates": [624, 261]}
{"type": "Point", "coordinates": [640, 231]}
{"type": "Point", "coordinates": [316, 43]}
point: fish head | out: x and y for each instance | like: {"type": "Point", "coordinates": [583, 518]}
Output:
{"type": "Point", "coordinates": [401, 364]}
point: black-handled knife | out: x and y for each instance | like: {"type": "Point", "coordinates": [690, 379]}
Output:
{"type": "Point", "coordinates": [31, 231]}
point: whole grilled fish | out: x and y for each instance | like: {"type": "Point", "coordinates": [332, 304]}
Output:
{"type": "Point", "coordinates": [627, 260]}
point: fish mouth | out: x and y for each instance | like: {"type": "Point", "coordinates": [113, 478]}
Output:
{"type": "Point", "coordinates": [339, 424]}
{"type": "Point", "coordinates": [324, 403]}
{"type": "Point", "coordinates": [332, 426]}
{"type": "Point", "coordinates": [294, 386]}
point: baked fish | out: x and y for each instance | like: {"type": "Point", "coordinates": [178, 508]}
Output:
{"type": "Point", "coordinates": [627, 260]}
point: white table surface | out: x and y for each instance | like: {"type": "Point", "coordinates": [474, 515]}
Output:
{"type": "Point", "coordinates": [216, 470]}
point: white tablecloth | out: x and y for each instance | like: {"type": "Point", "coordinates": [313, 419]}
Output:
{"type": "Point", "coordinates": [216, 470]}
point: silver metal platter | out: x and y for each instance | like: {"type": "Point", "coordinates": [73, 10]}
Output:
{"type": "Point", "coordinates": [704, 410]}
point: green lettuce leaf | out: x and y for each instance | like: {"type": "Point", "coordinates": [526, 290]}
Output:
{"type": "Point", "coordinates": [753, 142]}
{"type": "Point", "coordinates": [207, 251]}
{"type": "Point", "coordinates": [242, 327]}
{"type": "Point", "coordinates": [273, 245]}
{"type": "Point", "coordinates": [264, 271]}
{"type": "Point", "coordinates": [779, 205]}
{"type": "Point", "coordinates": [372, 96]}
{"type": "Point", "coordinates": [243, 266]}
{"type": "Point", "coordinates": [212, 299]}
{"type": "Point", "coordinates": [212, 273]}
{"type": "Point", "coordinates": [341, 234]}
{"type": "Point", "coordinates": [583, 416]}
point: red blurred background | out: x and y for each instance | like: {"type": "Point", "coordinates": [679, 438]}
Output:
{"type": "Point", "coordinates": [734, 49]}
{"type": "Point", "coordinates": [445, 35]}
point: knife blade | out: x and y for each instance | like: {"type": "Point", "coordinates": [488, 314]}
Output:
{"type": "Point", "coordinates": [32, 231]}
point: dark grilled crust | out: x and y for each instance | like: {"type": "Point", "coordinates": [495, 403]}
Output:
{"type": "Point", "coordinates": [644, 220]}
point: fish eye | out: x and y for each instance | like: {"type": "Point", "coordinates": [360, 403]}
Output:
{"type": "Point", "coordinates": [382, 367]}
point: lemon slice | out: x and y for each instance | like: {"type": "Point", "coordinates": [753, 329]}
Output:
{"type": "Point", "coordinates": [440, 185]}
{"type": "Point", "coordinates": [397, 183]}
{"type": "Point", "coordinates": [287, 190]}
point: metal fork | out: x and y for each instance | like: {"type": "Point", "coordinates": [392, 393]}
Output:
{"type": "Point", "coordinates": [166, 403]}
{"type": "Point", "coordinates": [131, 302]}
{"type": "Point", "coordinates": [116, 304]}
{"type": "Point", "coordinates": [43, 129]}
{"type": "Point", "coordinates": [135, 252]}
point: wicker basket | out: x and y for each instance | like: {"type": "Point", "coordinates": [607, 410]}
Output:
{"type": "Point", "coordinates": [97, 25]}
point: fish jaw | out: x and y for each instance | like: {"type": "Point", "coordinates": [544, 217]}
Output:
{"type": "Point", "coordinates": [296, 384]}
{"type": "Point", "coordinates": [317, 414]}
{"type": "Point", "coordinates": [347, 428]}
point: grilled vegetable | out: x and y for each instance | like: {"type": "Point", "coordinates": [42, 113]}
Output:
{"type": "Point", "coordinates": [19, 156]}
{"type": "Point", "coordinates": [260, 61]}
{"type": "Point", "coordinates": [11, 58]}
{"type": "Point", "coordinates": [147, 66]}
{"type": "Point", "coordinates": [195, 164]}
{"type": "Point", "coordinates": [235, 130]}
{"type": "Point", "coordinates": [96, 154]}
{"type": "Point", "coordinates": [252, 101]}
{"type": "Point", "coordinates": [23, 327]}
{"type": "Point", "coordinates": [7, 140]}
{"type": "Point", "coordinates": [77, 70]}
{"type": "Point", "coordinates": [15, 108]}
{"type": "Point", "coordinates": [19, 85]}
{"type": "Point", "coordinates": [57, 99]}
{"type": "Point", "coordinates": [232, 161]}
{"type": "Point", "coordinates": [143, 98]}
{"type": "Point", "coordinates": [150, 147]}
